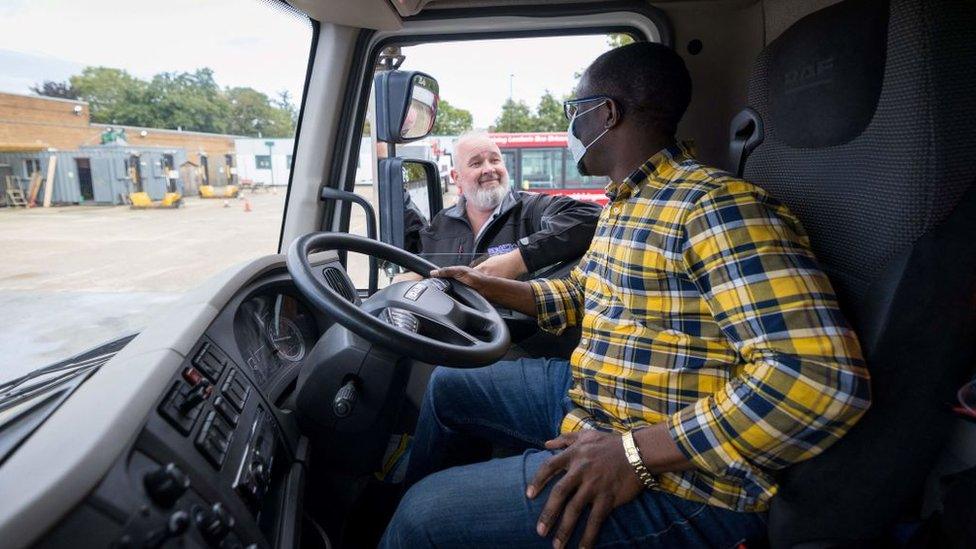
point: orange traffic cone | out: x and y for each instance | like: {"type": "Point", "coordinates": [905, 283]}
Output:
{"type": "Point", "coordinates": [247, 205]}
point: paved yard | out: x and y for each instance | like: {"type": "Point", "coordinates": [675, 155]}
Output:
{"type": "Point", "coordinates": [72, 277]}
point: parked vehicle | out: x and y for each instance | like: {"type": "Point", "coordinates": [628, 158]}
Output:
{"type": "Point", "coordinates": [540, 162]}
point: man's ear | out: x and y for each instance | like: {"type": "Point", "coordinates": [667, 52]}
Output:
{"type": "Point", "coordinates": [614, 116]}
{"type": "Point", "coordinates": [454, 178]}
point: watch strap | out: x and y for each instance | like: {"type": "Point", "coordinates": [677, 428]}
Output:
{"type": "Point", "coordinates": [634, 458]}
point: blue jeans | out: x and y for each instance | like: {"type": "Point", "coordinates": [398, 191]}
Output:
{"type": "Point", "coordinates": [484, 505]}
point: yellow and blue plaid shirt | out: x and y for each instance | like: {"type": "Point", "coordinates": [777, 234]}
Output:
{"type": "Point", "coordinates": [701, 305]}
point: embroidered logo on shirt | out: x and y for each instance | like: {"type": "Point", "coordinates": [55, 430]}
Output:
{"type": "Point", "coordinates": [502, 249]}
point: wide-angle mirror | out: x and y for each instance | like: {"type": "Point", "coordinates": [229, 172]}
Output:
{"type": "Point", "coordinates": [422, 108]}
{"type": "Point", "coordinates": [406, 105]}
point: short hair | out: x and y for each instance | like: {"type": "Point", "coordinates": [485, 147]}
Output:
{"type": "Point", "coordinates": [465, 136]}
{"type": "Point", "coordinates": [650, 80]}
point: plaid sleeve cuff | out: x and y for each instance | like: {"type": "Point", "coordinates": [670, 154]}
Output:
{"type": "Point", "coordinates": [557, 304]}
{"type": "Point", "coordinates": [696, 431]}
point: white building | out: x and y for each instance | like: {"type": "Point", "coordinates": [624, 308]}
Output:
{"type": "Point", "coordinates": [436, 148]}
{"type": "Point", "coordinates": [266, 161]}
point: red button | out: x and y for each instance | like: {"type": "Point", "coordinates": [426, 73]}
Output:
{"type": "Point", "coordinates": [192, 376]}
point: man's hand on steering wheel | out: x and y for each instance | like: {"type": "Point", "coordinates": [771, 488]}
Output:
{"type": "Point", "coordinates": [512, 294]}
{"type": "Point", "coordinates": [468, 276]}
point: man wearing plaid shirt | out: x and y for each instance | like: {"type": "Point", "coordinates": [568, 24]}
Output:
{"type": "Point", "coordinates": [713, 354]}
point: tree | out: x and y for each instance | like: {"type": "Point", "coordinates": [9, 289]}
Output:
{"type": "Point", "coordinates": [515, 117]}
{"type": "Point", "coordinates": [451, 120]}
{"type": "Point", "coordinates": [50, 88]}
{"type": "Point", "coordinates": [252, 113]}
{"type": "Point", "coordinates": [188, 100]}
{"type": "Point", "coordinates": [549, 115]}
{"type": "Point", "coordinates": [285, 103]}
{"type": "Point", "coordinates": [192, 101]}
{"type": "Point", "coordinates": [114, 96]}
{"type": "Point", "coordinates": [617, 39]}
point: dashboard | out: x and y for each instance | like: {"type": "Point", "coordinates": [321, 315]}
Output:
{"type": "Point", "coordinates": [215, 461]}
{"type": "Point", "coordinates": [199, 431]}
{"type": "Point", "coordinates": [274, 331]}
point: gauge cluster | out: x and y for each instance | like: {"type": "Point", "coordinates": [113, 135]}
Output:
{"type": "Point", "coordinates": [274, 331]}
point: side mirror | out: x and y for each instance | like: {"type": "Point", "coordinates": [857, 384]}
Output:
{"type": "Point", "coordinates": [406, 105]}
{"type": "Point", "coordinates": [409, 197]}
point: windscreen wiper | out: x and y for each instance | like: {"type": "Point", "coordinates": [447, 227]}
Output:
{"type": "Point", "coordinates": [54, 368]}
{"type": "Point", "coordinates": [44, 379]}
{"type": "Point", "coordinates": [41, 379]}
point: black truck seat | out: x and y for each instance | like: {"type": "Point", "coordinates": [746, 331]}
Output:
{"type": "Point", "coordinates": [862, 119]}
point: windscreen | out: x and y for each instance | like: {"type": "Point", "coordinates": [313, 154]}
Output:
{"type": "Point", "coordinates": [144, 147]}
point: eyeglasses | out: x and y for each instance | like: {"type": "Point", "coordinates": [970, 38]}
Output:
{"type": "Point", "coordinates": [571, 107]}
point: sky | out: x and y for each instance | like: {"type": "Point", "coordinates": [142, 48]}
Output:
{"type": "Point", "coordinates": [248, 43]}
{"type": "Point", "coordinates": [478, 75]}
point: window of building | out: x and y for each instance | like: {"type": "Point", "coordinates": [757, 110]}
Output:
{"type": "Point", "coordinates": [167, 163]}
{"type": "Point", "coordinates": [262, 161]}
{"type": "Point", "coordinates": [31, 165]}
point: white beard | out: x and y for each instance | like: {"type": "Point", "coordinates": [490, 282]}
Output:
{"type": "Point", "coordinates": [488, 199]}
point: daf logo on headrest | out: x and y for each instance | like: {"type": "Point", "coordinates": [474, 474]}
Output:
{"type": "Point", "coordinates": [810, 75]}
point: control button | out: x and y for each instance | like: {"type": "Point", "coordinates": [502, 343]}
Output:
{"type": "Point", "coordinates": [209, 362]}
{"type": "Point", "coordinates": [192, 376]}
{"type": "Point", "coordinates": [214, 438]}
{"type": "Point", "coordinates": [166, 484]}
{"type": "Point", "coordinates": [345, 399]}
{"type": "Point", "coordinates": [214, 523]}
{"type": "Point", "coordinates": [223, 428]}
{"type": "Point", "coordinates": [175, 527]}
{"type": "Point", "coordinates": [226, 409]}
{"type": "Point", "coordinates": [178, 522]}
{"type": "Point", "coordinates": [259, 470]}
{"type": "Point", "coordinates": [174, 408]}
{"type": "Point", "coordinates": [196, 397]}
{"type": "Point", "coordinates": [235, 392]}
{"type": "Point", "coordinates": [210, 451]}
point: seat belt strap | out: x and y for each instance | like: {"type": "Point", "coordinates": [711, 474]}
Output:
{"type": "Point", "coordinates": [745, 135]}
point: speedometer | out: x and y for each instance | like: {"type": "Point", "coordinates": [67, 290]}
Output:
{"type": "Point", "coordinates": [286, 339]}
{"type": "Point", "coordinates": [274, 332]}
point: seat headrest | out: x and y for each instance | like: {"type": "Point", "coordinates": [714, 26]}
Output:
{"type": "Point", "coordinates": [825, 74]}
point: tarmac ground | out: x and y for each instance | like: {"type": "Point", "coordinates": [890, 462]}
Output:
{"type": "Point", "coordinates": [73, 277]}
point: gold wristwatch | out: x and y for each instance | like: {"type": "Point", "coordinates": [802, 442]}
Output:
{"type": "Point", "coordinates": [634, 457]}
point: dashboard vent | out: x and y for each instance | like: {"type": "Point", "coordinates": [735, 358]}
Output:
{"type": "Point", "coordinates": [338, 282]}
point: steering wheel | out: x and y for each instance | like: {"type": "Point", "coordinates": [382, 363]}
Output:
{"type": "Point", "coordinates": [405, 317]}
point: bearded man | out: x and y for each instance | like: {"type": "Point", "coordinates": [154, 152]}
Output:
{"type": "Point", "coordinates": [506, 232]}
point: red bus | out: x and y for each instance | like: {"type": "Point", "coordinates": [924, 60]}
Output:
{"type": "Point", "coordinates": [540, 162]}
